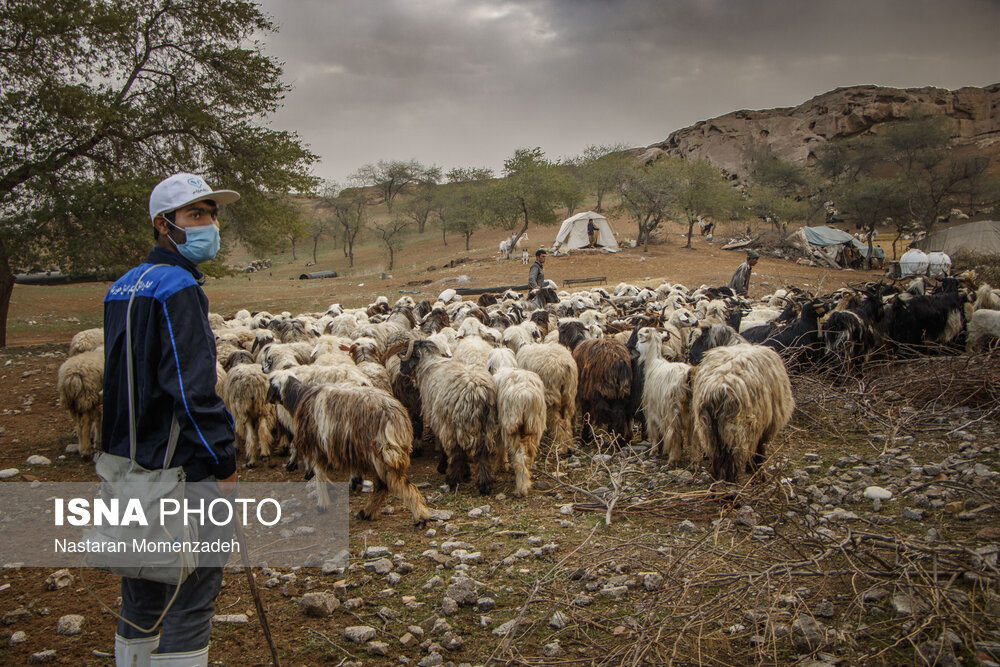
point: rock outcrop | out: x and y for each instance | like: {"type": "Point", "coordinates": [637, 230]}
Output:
{"type": "Point", "coordinates": [794, 133]}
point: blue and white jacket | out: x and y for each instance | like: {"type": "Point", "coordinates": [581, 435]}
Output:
{"type": "Point", "coordinates": [173, 349]}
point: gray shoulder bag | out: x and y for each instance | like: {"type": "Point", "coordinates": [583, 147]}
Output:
{"type": "Point", "coordinates": [127, 481]}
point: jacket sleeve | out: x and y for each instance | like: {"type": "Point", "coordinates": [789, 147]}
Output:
{"type": "Point", "coordinates": [187, 372]}
{"type": "Point", "coordinates": [533, 277]}
{"type": "Point", "coordinates": [740, 279]}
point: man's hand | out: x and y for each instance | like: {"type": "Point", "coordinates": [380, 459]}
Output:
{"type": "Point", "coordinates": [227, 485]}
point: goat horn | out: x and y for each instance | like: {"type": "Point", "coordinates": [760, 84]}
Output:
{"type": "Point", "coordinates": [409, 351]}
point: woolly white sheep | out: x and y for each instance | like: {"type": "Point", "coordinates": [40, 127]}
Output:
{"type": "Point", "coordinates": [740, 398]}
{"type": "Point", "coordinates": [80, 381]}
{"type": "Point", "coordinates": [554, 364]}
{"type": "Point", "coordinates": [666, 397]}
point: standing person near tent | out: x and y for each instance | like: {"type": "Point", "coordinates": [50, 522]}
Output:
{"type": "Point", "coordinates": [169, 370]}
{"type": "Point", "coordinates": [591, 232]}
{"type": "Point", "coordinates": [740, 282]}
{"type": "Point", "coordinates": [536, 275]}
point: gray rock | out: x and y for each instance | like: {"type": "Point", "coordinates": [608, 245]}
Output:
{"type": "Point", "coordinates": [231, 618]}
{"type": "Point", "coordinates": [332, 567]}
{"type": "Point", "coordinates": [58, 579]}
{"type": "Point", "coordinates": [450, 546]}
{"type": "Point", "coordinates": [504, 629]}
{"type": "Point", "coordinates": [463, 592]}
{"type": "Point", "coordinates": [582, 600]}
{"type": "Point", "coordinates": [452, 642]}
{"type": "Point", "coordinates": [377, 648]}
{"type": "Point", "coordinates": [380, 566]}
{"type": "Point", "coordinates": [652, 581]}
{"type": "Point", "coordinates": [877, 493]}
{"type": "Point", "coordinates": [913, 514]}
{"type": "Point", "coordinates": [319, 605]}
{"type": "Point", "coordinates": [686, 526]}
{"type": "Point", "coordinates": [559, 620]}
{"type": "Point", "coordinates": [7, 473]}
{"type": "Point", "coordinates": [376, 552]}
{"type": "Point", "coordinates": [71, 624]}
{"type": "Point", "coordinates": [393, 579]}
{"type": "Point", "coordinates": [431, 660]}
{"type": "Point", "coordinates": [18, 637]}
{"type": "Point", "coordinates": [466, 557]}
{"type": "Point", "coordinates": [763, 532]}
{"type": "Point", "coordinates": [614, 592]}
{"type": "Point", "coordinates": [485, 604]}
{"type": "Point", "coordinates": [747, 516]}
{"type": "Point", "coordinates": [359, 633]}
{"type": "Point", "coordinates": [38, 460]}
{"type": "Point", "coordinates": [808, 634]}
{"type": "Point", "coordinates": [433, 582]}
{"type": "Point", "coordinates": [905, 604]}
{"type": "Point", "coordinates": [42, 657]}
{"type": "Point", "coordinates": [407, 639]}
{"type": "Point", "coordinates": [824, 609]}
{"type": "Point", "coordinates": [552, 650]}
{"type": "Point", "coordinates": [449, 607]}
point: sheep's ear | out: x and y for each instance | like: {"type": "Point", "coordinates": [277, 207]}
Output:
{"type": "Point", "coordinates": [345, 348]}
{"type": "Point", "coordinates": [665, 336]}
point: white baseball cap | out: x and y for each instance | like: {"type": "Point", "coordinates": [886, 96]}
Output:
{"type": "Point", "coordinates": [181, 190]}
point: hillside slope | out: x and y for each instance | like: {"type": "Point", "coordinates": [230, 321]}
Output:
{"type": "Point", "coordinates": [794, 133]}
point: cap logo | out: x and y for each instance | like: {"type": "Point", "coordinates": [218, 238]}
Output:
{"type": "Point", "coordinates": [196, 182]}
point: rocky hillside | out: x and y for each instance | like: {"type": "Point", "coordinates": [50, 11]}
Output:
{"type": "Point", "coordinates": [794, 133]}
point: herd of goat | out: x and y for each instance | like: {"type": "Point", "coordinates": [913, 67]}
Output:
{"type": "Point", "coordinates": [702, 374]}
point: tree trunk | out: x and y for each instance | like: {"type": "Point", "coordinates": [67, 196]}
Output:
{"type": "Point", "coordinates": [392, 258]}
{"type": "Point", "coordinates": [421, 223]}
{"type": "Point", "coordinates": [645, 239]}
{"type": "Point", "coordinates": [468, 235]}
{"type": "Point", "coordinates": [600, 198]}
{"type": "Point", "coordinates": [868, 259]}
{"type": "Point", "coordinates": [6, 291]}
{"type": "Point", "coordinates": [293, 249]}
{"type": "Point", "coordinates": [315, 243]}
{"type": "Point", "coordinates": [690, 231]}
{"type": "Point", "coordinates": [899, 235]}
{"type": "Point", "coordinates": [350, 254]}
{"type": "Point", "coordinates": [444, 234]}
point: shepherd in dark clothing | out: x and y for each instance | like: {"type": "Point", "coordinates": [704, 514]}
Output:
{"type": "Point", "coordinates": [591, 233]}
{"type": "Point", "coordinates": [740, 282]}
{"type": "Point", "coordinates": [536, 276]}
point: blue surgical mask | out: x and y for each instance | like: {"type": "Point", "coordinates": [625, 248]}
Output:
{"type": "Point", "coordinates": [202, 243]}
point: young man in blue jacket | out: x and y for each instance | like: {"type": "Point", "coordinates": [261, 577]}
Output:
{"type": "Point", "coordinates": [173, 354]}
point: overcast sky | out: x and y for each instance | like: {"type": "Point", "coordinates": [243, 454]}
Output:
{"type": "Point", "coordinates": [466, 82]}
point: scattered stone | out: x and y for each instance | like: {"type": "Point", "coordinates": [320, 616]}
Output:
{"type": "Point", "coordinates": [763, 532]}
{"type": "Point", "coordinates": [58, 579]}
{"type": "Point", "coordinates": [18, 637]}
{"type": "Point", "coordinates": [938, 653]}
{"type": "Point", "coordinates": [466, 557]}
{"type": "Point", "coordinates": [378, 648]}
{"type": "Point", "coordinates": [408, 639]}
{"type": "Point", "coordinates": [475, 513]}
{"type": "Point", "coordinates": [380, 566]}
{"type": "Point", "coordinates": [485, 604]}
{"type": "Point", "coordinates": [747, 516]}
{"type": "Point", "coordinates": [552, 650]}
{"type": "Point", "coordinates": [441, 515]}
{"type": "Point", "coordinates": [614, 592]}
{"type": "Point", "coordinates": [824, 609]}
{"type": "Point", "coordinates": [504, 629]}
{"type": "Point", "coordinates": [70, 624]}
{"type": "Point", "coordinates": [877, 493]}
{"type": "Point", "coordinates": [566, 510]}
{"type": "Point", "coordinates": [905, 604]}
{"type": "Point", "coordinates": [559, 620]}
{"type": "Point", "coordinates": [450, 546]}
{"type": "Point", "coordinates": [808, 634]}
{"type": "Point", "coordinates": [874, 595]}
{"type": "Point", "coordinates": [42, 657]}
{"type": "Point", "coordinates": [686, 526]}
{"type": "Point", "coordinates": [452, 642]}
{"type": "Point", "coordinates": [38, 460]}
{"type": "Point", "coordinates": [913, 514]}
{"type": "Point", "coordinates": [353, 603]}
{"type": "Point", "coordinates": [319, 605]}
{"type": "Point", "coordinates": [449, 607]}
{"type": "Point", "coordinates": [332, 567]}
{"type": "Point", "coordinates": [9, 472]}
{"type": "Point", "coordinates": [233, 618]}
{"type": "Point", "coordinates": [431, 660]}
{"type": "Point", "coordinates": [433, 582]}
{"type": "Point", "coordinates": [359, 633]}
{"type": "Point", "coordinates": [522, 553]}
{"type": "Point", "coordinates": [582, 600]}
{"type": "Point", "coordinates": [376, 552]}
{"type": "Point", "coordinates": [463, 592]}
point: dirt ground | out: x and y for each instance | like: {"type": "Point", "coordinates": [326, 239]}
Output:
{"type": "Point", "coordinates": [538, 557]}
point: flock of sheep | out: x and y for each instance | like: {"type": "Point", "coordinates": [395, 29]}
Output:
{"type": "Point", "coordinates": [700, 372]}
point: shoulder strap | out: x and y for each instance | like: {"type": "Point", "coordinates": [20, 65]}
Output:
{"type": "Point", "coordinates": [130, 374]}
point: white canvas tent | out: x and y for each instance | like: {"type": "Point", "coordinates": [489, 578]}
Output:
{"type": "Point", "coordinates": [573, 232]}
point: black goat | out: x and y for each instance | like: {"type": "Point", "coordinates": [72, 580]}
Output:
{"type": "Point", "coordinates": [912, 323]}
{"type": "Point", "coordinates": [798, 341]}
{"type": "Point", "coordinates": [716, 335]}
{"type": "Point", "coordinates": [850, 336]}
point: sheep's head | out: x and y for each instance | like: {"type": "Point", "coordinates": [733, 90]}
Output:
{"type": "Point", "coordinates": [417, 350]}
{"type": "Point", "coordinates": [682, 317]}
{"type": "Point", "coordinates": [648, 341]}
{"type": "Point", "coordinates": [280, 385]}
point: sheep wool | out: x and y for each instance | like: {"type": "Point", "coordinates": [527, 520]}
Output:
{"type": "Point", "coordinates": [80, 380]}
{"type": "Point", "coordinates": [740, 398]}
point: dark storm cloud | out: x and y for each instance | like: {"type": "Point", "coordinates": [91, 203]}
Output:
{"type": "Point", "coordinates": [456, 82]}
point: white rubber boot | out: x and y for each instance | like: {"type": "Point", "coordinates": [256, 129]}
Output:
{"type": "Point", "coordinates": [134, 652]}
{"type": "Point", "coordinates": [197, 658]}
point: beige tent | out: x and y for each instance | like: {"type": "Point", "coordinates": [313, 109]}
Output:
{"type": "Point", "coordinates": [573, 232]}
{"type": "Point", "coordinates": [981, 238]}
